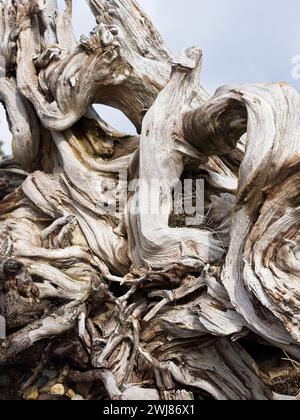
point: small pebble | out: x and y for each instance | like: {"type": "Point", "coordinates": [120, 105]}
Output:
{"type": "Point", "coordinates": [42, 382]}
{"type": "Point", "coordinates": [71, 393]}
{"type": "Point", "coordinates": [57, 389]}
{"type": "Point", "coordinates": [77, 398]}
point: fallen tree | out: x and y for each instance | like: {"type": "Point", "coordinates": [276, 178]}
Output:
{"type": "Point", "coordinates": [134, 303]}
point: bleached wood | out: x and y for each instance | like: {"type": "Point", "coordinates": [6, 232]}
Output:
{"type": "Point", "coordinates": [140, 306]}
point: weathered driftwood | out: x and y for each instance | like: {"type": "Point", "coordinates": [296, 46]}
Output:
{"type": "Point", "coordinates": [140, 304]}
{"type": "Point", "coordinates": [261, 271]}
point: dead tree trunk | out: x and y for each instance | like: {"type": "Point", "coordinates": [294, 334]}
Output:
{"type": "Point", "coordinates": [137, 303]}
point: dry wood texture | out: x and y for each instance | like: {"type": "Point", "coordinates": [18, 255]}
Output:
{"type": "Point", "coordinates": [139, 304]}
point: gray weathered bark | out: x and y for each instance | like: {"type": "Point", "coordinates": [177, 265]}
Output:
{"type": "Point", "coordinates": [139, 304]}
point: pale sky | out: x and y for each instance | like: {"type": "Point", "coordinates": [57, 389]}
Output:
{"type": "Point", "coordinates": [243, 41]}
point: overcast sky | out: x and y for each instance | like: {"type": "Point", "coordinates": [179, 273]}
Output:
{"type": "Point", "coordinates": [243, 41]}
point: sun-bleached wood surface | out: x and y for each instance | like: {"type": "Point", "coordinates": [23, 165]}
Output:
{"type": "Point", "coordinates": [142, 305]}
